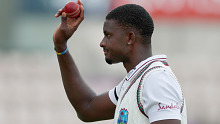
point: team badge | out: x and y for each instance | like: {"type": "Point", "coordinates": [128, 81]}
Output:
{"type": "Point", "coordinates": [123, 116]}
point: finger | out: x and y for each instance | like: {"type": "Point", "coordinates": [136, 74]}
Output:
{"type": "Point", "coordinates": [61, 10]}
{"type": "Point", "coordinates": [81, 16]}
{"type": "Point", "coordinates": [59, 13]}
{"type": "Point", "coordinates": [80, 2]}
{"type": "Point", "coordinates": [81, 10]}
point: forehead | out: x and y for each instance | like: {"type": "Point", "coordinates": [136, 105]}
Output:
{"type": "Point", "coordinates": [112, 25]}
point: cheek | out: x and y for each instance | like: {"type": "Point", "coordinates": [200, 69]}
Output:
{"type": "Point", "coordinates": [117, 52]}
{"type": "Point", "coordinates": [116, 45]}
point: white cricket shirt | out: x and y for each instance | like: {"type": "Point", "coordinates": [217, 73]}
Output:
{"type": "Point", "coordinates": [162, 93]}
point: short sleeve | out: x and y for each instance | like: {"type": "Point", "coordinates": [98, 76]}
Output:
{"type": "Point", "coordinates": [162, 96]}
{"type": "Point", "coordinates": [114, 93]}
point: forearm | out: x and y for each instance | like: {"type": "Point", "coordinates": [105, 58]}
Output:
{"type": "Point", "coordinates": [88, 105]}
{"type": "Point", "coordinates": [78, 92]}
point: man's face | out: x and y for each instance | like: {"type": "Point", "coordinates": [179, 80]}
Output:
{"type": "Point", "coordinates": [114, 42]}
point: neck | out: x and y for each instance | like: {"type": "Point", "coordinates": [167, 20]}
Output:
{"type": "Point", "coordinates": [137, 56]}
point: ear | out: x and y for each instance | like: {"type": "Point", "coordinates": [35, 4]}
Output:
{"type": "Point", "coordinates": [131, 37]}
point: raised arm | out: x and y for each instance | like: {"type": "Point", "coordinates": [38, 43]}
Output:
{"type": "Point", "coordinates": [88, 105]}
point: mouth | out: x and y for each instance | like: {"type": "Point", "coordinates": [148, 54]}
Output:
{"type": "Point", "coordinates": [105, 51]}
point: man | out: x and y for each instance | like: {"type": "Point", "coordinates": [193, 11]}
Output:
{"type": "Point", "coordinates": [149, 94]}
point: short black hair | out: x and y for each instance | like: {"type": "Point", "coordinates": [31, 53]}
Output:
{"type": "Point", "coordinates": [132, 15]}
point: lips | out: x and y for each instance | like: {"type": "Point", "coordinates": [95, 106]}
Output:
{"type": "Point", "coordinates": [105, 51]}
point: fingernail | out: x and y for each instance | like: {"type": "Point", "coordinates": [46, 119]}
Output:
{"type": "Point", "coordinates": [60, 10]}
{"type": "Point", "coordinates": [63, 14]}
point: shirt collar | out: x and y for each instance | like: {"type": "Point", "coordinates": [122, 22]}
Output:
{"type": "Point", "coordinates": [132, 72]}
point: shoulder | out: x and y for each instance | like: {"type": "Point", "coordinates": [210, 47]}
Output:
{"type": "Point", "coordinates": [162, 96]}
{"type": "Point", "coordinates": [161, 83]}
{"type": "Point", "coordinates": [114, 93]}
{"type": "Point", "coordinates": [161, 79]}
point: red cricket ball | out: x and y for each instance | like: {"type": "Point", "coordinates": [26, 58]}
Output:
{"type": "Point", "coordinates": [72, 9]}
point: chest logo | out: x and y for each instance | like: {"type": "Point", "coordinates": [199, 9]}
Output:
{"type": "Point", "coordinates": [123, 116]}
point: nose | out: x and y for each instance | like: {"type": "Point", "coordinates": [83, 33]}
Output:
{"type": "Point", "coordinates": [103, 43]}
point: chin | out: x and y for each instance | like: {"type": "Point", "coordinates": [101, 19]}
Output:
{"type": "Point", "coordinates": [109, 61]}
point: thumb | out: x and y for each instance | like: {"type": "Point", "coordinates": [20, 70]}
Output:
{"type": "Point", "coordinates": [63, 18]}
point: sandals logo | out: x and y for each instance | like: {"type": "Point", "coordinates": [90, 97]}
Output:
{"type": "Point", "coordinates": [123, 116]}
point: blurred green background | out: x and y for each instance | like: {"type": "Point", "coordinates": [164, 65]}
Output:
{"type": "Point", "coordinates": [31, 90]}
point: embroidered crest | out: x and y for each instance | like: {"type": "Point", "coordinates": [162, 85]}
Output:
{"type": "Point", "coordinates": [123, 116]}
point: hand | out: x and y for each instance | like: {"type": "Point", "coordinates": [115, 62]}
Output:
{"type": "Point", "coordinates": [67, 27]}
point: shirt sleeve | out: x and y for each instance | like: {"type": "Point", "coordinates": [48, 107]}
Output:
{"type": "Point", "coordinates": [114, 93]}
{"type": "Point", "coordinates": [162, 96]}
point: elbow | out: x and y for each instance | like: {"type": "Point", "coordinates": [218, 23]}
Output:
{"type": "Point", "coordinates": [85, 117]}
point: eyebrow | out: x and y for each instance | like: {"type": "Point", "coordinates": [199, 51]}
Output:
{"type": "Point", "coordinates": [106, 32]}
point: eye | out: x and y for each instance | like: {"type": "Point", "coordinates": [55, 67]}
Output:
{"type": "Point", "coordinates": [108, 36]}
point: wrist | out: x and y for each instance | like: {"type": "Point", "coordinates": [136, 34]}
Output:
{"type": "Point", "coordinates": [61, 53]}
{"type": "Point", "coordinates": [60, 47]}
